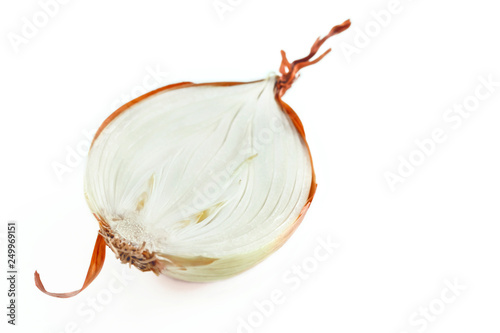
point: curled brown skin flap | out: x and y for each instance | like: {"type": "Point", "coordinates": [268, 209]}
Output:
{"type": "Point", "coordinates": [95, 267]}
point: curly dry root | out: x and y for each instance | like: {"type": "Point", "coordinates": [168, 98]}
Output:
{"type": "Point", "coordinates": [129, 253]}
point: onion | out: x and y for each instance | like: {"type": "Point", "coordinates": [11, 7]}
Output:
{"type": "Point", "coordinates": [200, 182]}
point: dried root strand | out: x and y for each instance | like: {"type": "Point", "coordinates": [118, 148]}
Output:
{"type": "Point", "coordinates": [289, 70]}
{"type": "Point", "coordinates": [129, 253]}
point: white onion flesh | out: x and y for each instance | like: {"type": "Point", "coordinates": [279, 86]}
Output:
{"type": "Point", "coordinates": [208, 171]}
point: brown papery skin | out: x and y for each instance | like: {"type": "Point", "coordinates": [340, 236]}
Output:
{"type": "Point", "coordinates": [106, 237]}
{"type": "Point", "coordinates": [95, 267]}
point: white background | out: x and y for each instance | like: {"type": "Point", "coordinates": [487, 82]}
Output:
{"type": "Point", "coordinates": [361, 112]}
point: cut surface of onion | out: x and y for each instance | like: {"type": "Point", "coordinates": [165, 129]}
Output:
{"type": "Point", "coordinates": [202, 171]}
{"type": "Point", "coordinates": [201, 181]}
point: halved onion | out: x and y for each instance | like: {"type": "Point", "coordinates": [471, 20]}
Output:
{"type": "Point", "coordinates": [200, 182]}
